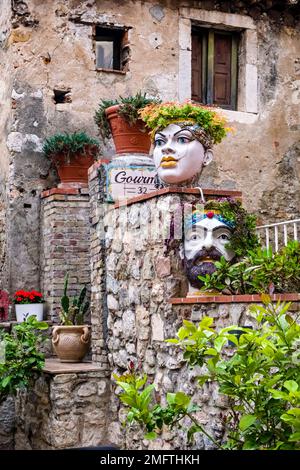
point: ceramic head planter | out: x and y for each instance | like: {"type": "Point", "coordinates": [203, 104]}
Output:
{"type": "Point", "coordinates": [218, 229]}
{"type": "Point", "coordinates": [183, 136]}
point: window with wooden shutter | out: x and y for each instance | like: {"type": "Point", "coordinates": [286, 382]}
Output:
{"type": "Point", "coordinates": [214, 67]}
{"type": "Point", "coordinates": [112, 48]}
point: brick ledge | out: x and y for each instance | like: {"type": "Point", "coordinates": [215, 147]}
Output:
{"type": "Point", "coordinates": [183, 190]}
{"type": "Point", "coordinates": [82, 190]}
{"type": "Point", "coordinates": [220, 299]}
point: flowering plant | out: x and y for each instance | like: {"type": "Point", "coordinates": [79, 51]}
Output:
{"type": "Point", "coordinates": [28, 297]}
{"type": "Point", "coordinates": [159, 116]}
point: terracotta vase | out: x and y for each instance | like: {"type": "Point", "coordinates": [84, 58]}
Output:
{"type": "Point", "coordinates": [74, 169]}
{"type": "Point", "coordinates": [128, 138]}
{"type": "Point", "coordinates": [71, 343]}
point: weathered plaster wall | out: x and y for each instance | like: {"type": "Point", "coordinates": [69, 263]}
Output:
{"type": "Point", "coordinates": [5, 91]}
{"type": "Point", "coordinates": [50, 46]}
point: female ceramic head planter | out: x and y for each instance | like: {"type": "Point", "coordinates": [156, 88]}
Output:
{"type": "Point", "coordinates": [183, 136]}
{"type": "Point", "coordinates": [217, 229]}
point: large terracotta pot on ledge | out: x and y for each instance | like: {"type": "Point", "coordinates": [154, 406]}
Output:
{"type": "Point", "coordinates": [71, 343]}
{"type": "Point", "coordinates": [74, 169]}
{"type": "Point", "coordinates": [128, 138]}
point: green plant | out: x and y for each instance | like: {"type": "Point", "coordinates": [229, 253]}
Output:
{"type": "Point", "coordinates": [261, 380]}
{"type": "Point", "coordinates": [128, 109]}
{"type": "Point", "coordinates": [73, 309]}
{"type": "Point", "coordinates": [21, 357]}
{"type": "Point", "coordinates": [260, 271]}
{"type": "Point", "coordinates": [70, 144]}
{"type": "Point", "coordinates": [159, 116]}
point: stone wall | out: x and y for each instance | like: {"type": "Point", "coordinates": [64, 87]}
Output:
{"type": "Point", "coordinates": [66, 408]}
{"type": "Point", "coordinates": [141, 272]}
{"type": "Point", "coordinates": [48, 35]}
{"type": "Point", "coordinates": [65, 244]}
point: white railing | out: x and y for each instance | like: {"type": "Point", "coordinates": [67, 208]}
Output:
{"type": "Point", "coordinates": [278, 234]}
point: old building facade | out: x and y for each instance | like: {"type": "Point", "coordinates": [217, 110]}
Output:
{"type": "Point", "coordinates": [58, 59]}
{"type": "Point", "coordinates": [52, 79]}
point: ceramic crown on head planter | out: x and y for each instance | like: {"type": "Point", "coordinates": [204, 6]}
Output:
{"type": "Point", "coordinates": [183, 136]}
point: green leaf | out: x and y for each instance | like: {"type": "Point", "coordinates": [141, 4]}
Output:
{"type": "Point", "coordinates": [246, 421]}
{"type": "Point", "coordinates": [150, 436]}
{"type": "Point", "coordinates": [295, 437]}
{"type": "Point", "coordinates": [291, 385]}
{"type": "Point", "coordinates": [189, 326]}
{"type": "Point", "coordinates": [206, 322]}
{"type": "Point", "coordinates": [6, 381]}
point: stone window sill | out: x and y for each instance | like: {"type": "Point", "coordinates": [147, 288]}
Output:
{"type": "Point", "coordinates": [239, 116]}
{"type": "Point", "coordinates": [121, 72]}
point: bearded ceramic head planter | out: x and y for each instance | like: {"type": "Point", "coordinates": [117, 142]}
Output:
{"type": "Point", "coordinates": [183, 136]}
{"type": "Point", "coordinates": [217, 229]}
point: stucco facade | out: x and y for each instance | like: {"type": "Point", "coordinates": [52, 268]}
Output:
{"type": "Point", "coordinates": [49, 45]}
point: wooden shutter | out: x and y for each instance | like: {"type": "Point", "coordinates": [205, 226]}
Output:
{"type": "Point", "coordinates": [197, 67]}
{"type": "Point", "coordinates": [222, 69]}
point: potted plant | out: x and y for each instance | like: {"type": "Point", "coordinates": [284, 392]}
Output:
{"type": "Point", "coordinates": [72, 154]}
{"type": "Point", "coordinates": [71, 339]}
{"type": "Point", "coordinates": [120, 118]}
{"type": "Point", "coordinates": [28, 303]}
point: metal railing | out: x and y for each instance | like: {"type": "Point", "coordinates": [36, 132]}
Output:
{"type": "Point", "coordinates": [278, 234]}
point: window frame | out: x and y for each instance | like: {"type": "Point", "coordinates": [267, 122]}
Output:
{"type": "Point", "coordinates": [119, 37]}
{"type": "Point", "coordinates": [247, 97]}
{"type": "Point", "coordinates": [207, 66]}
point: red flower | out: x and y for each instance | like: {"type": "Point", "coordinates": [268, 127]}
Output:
{"type": "Point", "coordinates": [28, 297]}
{"type": "Point", "coordinates": [210, 214]}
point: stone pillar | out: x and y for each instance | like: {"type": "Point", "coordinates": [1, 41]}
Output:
{"type": "Point", "coordinates": [98, 272]}
{"type": "Point", "coordinates": [65, 243]}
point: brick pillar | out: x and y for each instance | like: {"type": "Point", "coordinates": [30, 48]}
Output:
{"type": "Point", "coordinates": [65, 243]}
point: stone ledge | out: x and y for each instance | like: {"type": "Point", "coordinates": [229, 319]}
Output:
{"type": "Point", "coordinates": [160, 192]}
{"type": "Point", "coordinates": [54, 366]}
{"type": "Point", "coordinates": [225, 299]}
{"type": "Point", "coordinates": [65, 191]}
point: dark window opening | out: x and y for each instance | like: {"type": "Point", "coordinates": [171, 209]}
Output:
{"type": "Point", "coordinates": [62, 96]}
{"type": "Point", "coordinates": [215, 67]}
{"type": "Point", "coordinates": [112, 49]}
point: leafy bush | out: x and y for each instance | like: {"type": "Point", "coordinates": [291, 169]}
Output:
{"type": "Point", "coordinates": [261, 271]}
{"type": "Point", "coordinates": [21, 356]}
{"type": "Point", "coordinates": [159, 116]}
{"type": "Point", "coordinates": [73, 309]}
{"type": "Point", "coordinates": [71, 144]}
{"type": "Point", "coordinates": [129, 110]}
{"type": "Point", "coordinates": [261, 380]}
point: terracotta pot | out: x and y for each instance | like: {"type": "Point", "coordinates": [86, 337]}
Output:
{"type": "Point", "coordinates": [74, 171]}
{"type": "Point", "coordinates": [71, 343]}
{"type": "Point", "coordinates": [127, 138]}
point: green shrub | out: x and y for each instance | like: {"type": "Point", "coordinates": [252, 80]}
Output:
{"type": "Point", "coordinates": [71, 144]}
{"type": "Point", "coordinates": [129, 110]}
{"type": "Point", "coordinates": [261, 380]}
{"type": "Point", "coordinates": [21, 356]}
{"type": "Point", "coordinates": [261, 271]}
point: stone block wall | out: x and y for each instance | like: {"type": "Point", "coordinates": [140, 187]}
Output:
{"type": "Point", "coordinates": [65, 243]}
{"type": "Point", "coordinates": [65, 408]}
{"type": "Point", "coordinates": [98, 267]}
{"type": "Point", "coordinates": [141, 274]}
